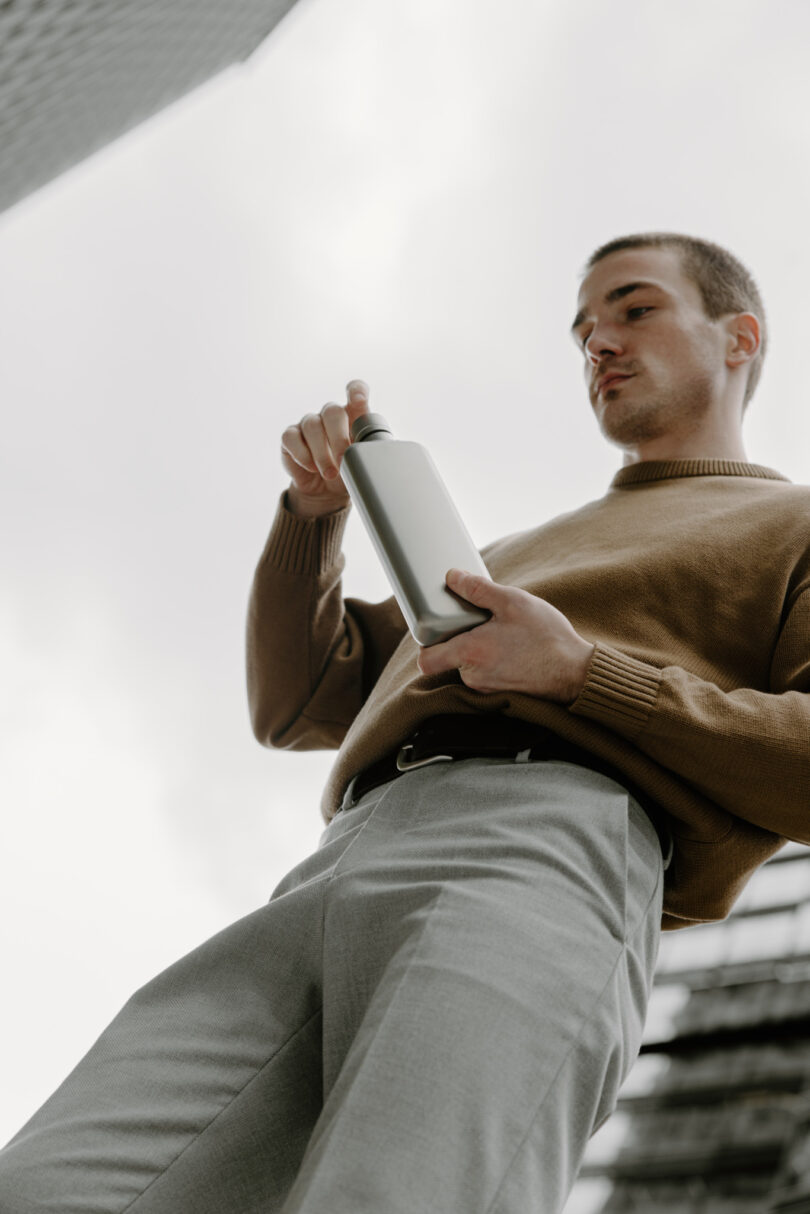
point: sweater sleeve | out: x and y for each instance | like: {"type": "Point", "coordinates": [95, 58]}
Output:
{"type": "Point", "coordinates": [312, 657]}
{"type": "Point", "coordinates": [746, 750]}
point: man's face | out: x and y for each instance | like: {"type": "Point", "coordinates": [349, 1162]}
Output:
{"type": "Point", "coordinates": [641, 320]}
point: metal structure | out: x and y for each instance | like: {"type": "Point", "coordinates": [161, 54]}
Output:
{"type": "Point", "coordinates": [716, 1113]}
{"type": "Point", "coordinates": [75, 74]}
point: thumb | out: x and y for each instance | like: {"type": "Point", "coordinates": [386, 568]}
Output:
{"type": "Point", "coordinates": [480, 591]}
{"type": "Point", "coordinates": [357, 394]}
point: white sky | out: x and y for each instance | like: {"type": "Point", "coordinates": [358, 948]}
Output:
{"type": "Point", "coordinates": [403, 191]}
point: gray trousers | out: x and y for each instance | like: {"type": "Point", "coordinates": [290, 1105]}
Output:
{"type": "Point", "coordinates": [432, 1015]}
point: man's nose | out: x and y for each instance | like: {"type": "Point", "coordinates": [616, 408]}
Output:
{"type": "Point", "coordinates": [603, 339]}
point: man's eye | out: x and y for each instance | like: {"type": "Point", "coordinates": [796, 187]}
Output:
{"type": "Point", "coordinates": [639, 310]}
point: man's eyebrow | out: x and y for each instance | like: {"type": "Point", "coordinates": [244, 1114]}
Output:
{"type": "Point", "coordinates": [617, 293]}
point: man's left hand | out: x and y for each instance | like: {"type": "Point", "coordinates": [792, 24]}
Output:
{"type": "Point", "coordinates": [527, 645]}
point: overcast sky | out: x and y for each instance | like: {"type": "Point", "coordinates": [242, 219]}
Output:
{"type": "Point", "coordinates": [403, 191]}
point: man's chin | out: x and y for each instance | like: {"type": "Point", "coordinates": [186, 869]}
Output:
{"type": "Point", "coordinates": [626, 428]}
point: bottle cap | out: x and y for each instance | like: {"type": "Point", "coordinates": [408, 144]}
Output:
{"type": "Point", "coordinates": [368, 424]}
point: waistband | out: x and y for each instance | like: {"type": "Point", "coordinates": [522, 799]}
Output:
{"type": "Point", "coordinates": [453, 736]}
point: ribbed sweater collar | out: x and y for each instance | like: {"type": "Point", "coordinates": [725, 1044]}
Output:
{"type": "Point", "coordinates": [670, 469]}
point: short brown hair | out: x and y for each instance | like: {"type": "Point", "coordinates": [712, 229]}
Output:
{"type": "Point", "coordinates": [724, 283]}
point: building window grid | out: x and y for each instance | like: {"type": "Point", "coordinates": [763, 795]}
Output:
{"type": "Point", "coordinates": [715, 1115]}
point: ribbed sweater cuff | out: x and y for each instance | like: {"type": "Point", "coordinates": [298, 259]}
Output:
{"type": "Point", "coordinates": [304, 545]}
{"type": "Point", "coordinates": [619, 691]}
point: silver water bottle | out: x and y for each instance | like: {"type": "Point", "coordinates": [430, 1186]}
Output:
{"type": "Point", "coordinates": [415, 527]}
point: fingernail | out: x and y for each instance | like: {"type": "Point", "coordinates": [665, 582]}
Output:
{"type": "Point", "coordinates": [357, 387]}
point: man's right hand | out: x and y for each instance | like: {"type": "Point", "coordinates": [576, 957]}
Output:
{"type": "Point", "coordinates": [311, 453]}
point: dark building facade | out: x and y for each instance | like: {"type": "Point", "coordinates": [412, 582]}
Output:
{"type": "Point", "coordinates": [715, 1117]}
{"type": "Point", "coordinates": [75, 74]}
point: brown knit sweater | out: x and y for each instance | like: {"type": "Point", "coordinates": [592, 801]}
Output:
{"type": "Point", "coordinates": [692, 577]}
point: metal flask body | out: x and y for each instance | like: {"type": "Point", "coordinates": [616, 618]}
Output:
{"type": "Point", "coordinates": [415, 527]}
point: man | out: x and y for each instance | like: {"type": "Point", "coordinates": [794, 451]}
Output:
{"type": "Point", "coordinates": [435, 1010]}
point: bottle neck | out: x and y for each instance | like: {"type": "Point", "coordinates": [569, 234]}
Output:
{"type": "Point", "coordinates": [377, 436]}
{"type": "Point", "coordinates": [370, 427]}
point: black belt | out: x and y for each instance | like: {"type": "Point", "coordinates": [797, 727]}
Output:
{"type": "Point", "coordinates": [478, 736]}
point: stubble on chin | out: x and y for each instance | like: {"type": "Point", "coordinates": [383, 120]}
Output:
{"type": "Point", "coordinates": [628, 423]}
{"type": "Point", "coordinates": [627, 426]}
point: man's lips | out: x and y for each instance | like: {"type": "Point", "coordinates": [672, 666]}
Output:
{"type": "Point", "coordinates": [613, 377]}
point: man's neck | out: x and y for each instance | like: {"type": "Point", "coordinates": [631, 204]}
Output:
{"type": "Point", "coordinates": [704, 445]}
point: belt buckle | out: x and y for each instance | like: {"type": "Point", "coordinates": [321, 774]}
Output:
{"type": "Point", "coordinates": [406, 764]}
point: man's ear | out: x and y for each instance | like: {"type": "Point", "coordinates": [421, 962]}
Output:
{"type": "Point", "coordinates": [743, 338]}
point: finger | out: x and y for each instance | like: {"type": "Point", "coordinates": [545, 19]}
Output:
{"type": "Point", "coordinates": [480, 591]}
{"type": "Point", "coordinates": [336, 425]}
{"type": "Point", "coordinates": [357, 394]}
{"type": "Point", "coordinates": [314, 434]}
{"type": "Point", "coordinates": [436, 659]}
{"type": "Point", "coordinates": [295, 451]}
